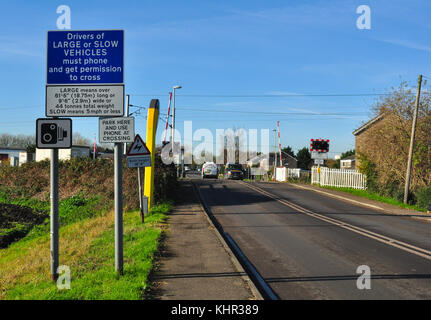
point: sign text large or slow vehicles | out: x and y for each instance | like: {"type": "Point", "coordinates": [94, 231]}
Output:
{"type": "Point", "coordinates": [85, 73]}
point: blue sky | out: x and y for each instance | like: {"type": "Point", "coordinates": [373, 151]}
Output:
{"type": "Point", "coordinates": [242, 56]}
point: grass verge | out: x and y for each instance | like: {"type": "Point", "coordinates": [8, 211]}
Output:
{"type": "Point", "coordinates": [87, 247]}
{"type": "Point", "coordinates": [376, 197]}
{"type": "Point", "coordinates": [71, 210]}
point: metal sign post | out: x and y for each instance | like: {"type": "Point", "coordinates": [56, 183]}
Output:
{"type": "Point", "coordinates": [139, 157]}
{"type": "Point", "coordinates": [118, 195]}
{"type": "Point", "coordinates": [54, 225]}
{"type": "Point", "coordinates": [54, 134]}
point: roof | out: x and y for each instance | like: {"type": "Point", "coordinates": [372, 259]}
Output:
{"type": "Point", "coordinates": [13, 148]}
{"type": "Point", "coordinates": [366, 125]}
{"type": "Point", "coordinates": [352, 157]}
{"type": "Point", "coordinates": [285, 154]}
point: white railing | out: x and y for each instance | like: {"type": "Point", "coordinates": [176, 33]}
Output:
{"type": "Point", "coordinates": [294, 173]}
{"type": "Point", "coordinates": [338, 178]}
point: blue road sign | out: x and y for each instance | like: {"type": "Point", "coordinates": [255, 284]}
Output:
{"type": "Point", "coordinates": [78, 57]}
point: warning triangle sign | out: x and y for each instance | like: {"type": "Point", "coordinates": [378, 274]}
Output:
{"type": "Point", "coordinates": [138, 147]}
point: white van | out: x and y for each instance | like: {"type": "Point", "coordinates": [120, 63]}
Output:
{"type": "Point", "coordinates": [209, 170]}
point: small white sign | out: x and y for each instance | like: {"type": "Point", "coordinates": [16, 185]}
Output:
{"type": "Point", "coordinates": [53, 133]}
{"type": "Point", "coordinates": [116, 130]}
{"type": "Point", "coordinates": [319, 155]}
{"type": "Point", "coordinates": [139, 161]}
{"type": "Point", "coordinates": [319, 161]}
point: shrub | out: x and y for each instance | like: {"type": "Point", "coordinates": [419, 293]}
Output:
{"type": "Point", "coordinates": [423, 197]}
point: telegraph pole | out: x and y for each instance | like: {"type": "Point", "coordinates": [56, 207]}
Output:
{"type": "Point", "coordinates": [275, 153]}
{"type": "Point", "coordinates": [412, 141]}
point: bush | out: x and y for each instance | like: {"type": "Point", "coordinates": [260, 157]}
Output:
{"type": "Point", "coordinates": [423, 197]}
{"type": "Point", "coordinates": [368, 168]}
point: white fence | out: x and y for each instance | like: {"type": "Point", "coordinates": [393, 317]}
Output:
{"type": "Point", "coordinates": [338, 178]}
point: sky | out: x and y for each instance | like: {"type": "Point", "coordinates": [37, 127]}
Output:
{"type": "Point", "coordinates": [241, 64]}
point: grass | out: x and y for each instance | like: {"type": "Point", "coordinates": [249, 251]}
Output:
{"type": "Point", "coordinates": [71, 210]}
{"type": "Point", "coordinates": [87, 247]}
{"type": "Point", "coordinates": [376, 197]}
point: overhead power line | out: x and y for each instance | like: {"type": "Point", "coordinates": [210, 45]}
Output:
{"type": "Point", "coordinates": [278, 113]}
{"type": "Point", "coordinates": [264, 95]}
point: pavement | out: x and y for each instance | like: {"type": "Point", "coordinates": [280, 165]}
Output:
{"type": "Point", "coordinates": [196, 263]}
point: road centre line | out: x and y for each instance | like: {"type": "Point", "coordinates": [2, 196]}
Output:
{"type": "Point", "coordinates": [370, 234]}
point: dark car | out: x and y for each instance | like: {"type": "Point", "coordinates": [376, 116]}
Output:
{"type": "Point", "coordinates": [234, 171]}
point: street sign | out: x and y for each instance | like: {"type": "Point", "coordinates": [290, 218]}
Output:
{"type": "Point", "coordinates": [53, 133]}
{"type": "Point", "coordinates": [139, 161]}
{"type": "Point", "coordinates": [85, 56]}
{"type": "Point", "coordinates": [138, 147]}
{"type": "Point", "coordinates": [84, 100]}
{"type": "Point", "coordinates": [116, 130]}
{"type": "Point", "coordinates": [319, 161]}
{"type": "Point", "coordinates": [85, 73]}
{"type": "Point", "coordinates": [319, 155]}
{"type": "Point", "coordinates": [138, 155]}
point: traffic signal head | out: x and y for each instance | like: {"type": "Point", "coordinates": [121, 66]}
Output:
{"type": "Point", "coordinates": [319, 145]}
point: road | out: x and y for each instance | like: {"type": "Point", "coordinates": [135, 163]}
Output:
{"type": "Point", "coordinates": [307, 245]}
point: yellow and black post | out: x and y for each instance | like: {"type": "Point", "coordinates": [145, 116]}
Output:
{"type": "Point", "coordinates": [152, 120]}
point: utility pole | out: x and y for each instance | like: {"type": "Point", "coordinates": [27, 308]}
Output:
{"type": "Point", "coordinates": [412, 142]}
{"type": "Point", "coordinates": [173, 116]}
{"type": "Point", "coordinates": [275, 153]}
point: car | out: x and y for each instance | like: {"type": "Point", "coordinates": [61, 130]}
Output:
{"type": "Point", "coordinates": [209, 170]}
{"type": "Point", "coordinates": [234, 171]}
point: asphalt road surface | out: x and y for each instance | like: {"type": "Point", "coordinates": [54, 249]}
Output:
{"type": "Point", "coordinates": [307, 245]}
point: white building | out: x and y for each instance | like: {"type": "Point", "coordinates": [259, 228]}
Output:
{"type": "Point", "coordinates": [15, 156]}
{"type": "Point", "coordinates": [64, 154]}
{"type": "Point", "coordinates": [348, 163]}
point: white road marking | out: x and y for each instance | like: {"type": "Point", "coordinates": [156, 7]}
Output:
{"type": "Point", "coordinates": [370, 234]}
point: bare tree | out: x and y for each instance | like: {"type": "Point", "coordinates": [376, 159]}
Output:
{"type": "Point", "coordinates": [78, 139]}
{"type": "Point", "coordinates": [16, 141]}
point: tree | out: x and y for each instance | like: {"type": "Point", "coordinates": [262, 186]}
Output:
{"type": "Point", "coordinates": [348, 153]}
{"type": "Point", "coordinates": [289, 151]}
{"type": "Point", "coordinates": [78, 139]}
{"type": "Point", "coordinates": [304, 158]}
{"type": "Point", "coordinates": [17, 141]}
{"type": "Point", "coordinates": [385, 144]}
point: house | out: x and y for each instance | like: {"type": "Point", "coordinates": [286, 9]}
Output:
{"type": "Point", "coordinates": [64, 154]}
{"type": "Point", "coordinates": [348, 163]}
{"type": "Point", "coordinates": [287, 160]}
{"type": "Point", "coordinates": [362, 133]}
{"type": "Point", "coordinates": [15, 156]}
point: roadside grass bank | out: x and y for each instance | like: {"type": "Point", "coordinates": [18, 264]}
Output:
{"type": "Point", "coordinates": [85, 190]}
{"type": "Point", "coordinates": [87, 248]}
{"type": "Point", "coordinates": [374, 196]}
{"type": "Point", "coordinates": [29, 217]}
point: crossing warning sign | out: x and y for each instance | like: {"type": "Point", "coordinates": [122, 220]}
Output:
{"type": "Point", "coordinates": [138, 147]}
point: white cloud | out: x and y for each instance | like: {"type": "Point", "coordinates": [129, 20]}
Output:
{"type": "Point", "coordinates": [407, 44]}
